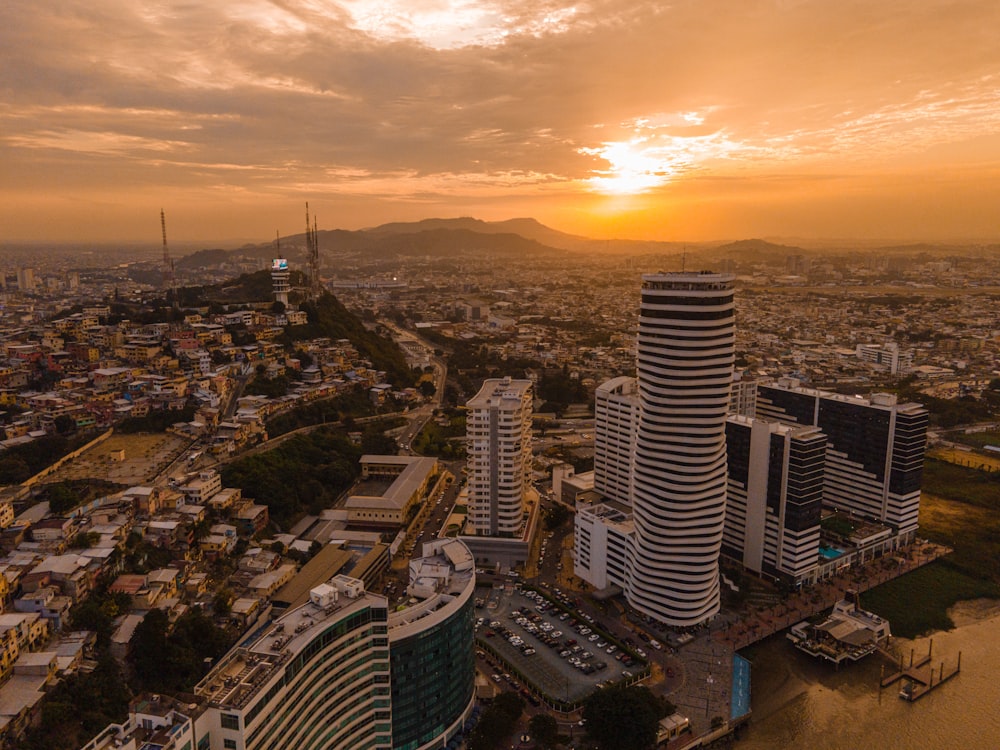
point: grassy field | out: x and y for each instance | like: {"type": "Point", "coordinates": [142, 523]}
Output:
{"type": "Point", "coordinates": [937, 587]}
{"type": "Point", "coordinates": [962, 484]}
{"type": "Point", "coordinates": [975, 439]}
{"type": "Point", "coordinates": [969, 459]}
{"type": "Point", "coordinates": [145, 456]}
{"type": "Point", "coordinates": [960, 507]}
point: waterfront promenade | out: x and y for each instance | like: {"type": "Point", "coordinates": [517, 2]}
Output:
{"type": "Point", "coordinates": [761, 622]}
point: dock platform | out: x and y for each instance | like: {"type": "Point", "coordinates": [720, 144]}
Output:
{"type": "Point", "coordinates": [920, 677]}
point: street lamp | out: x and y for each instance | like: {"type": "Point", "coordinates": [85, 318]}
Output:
{"type": "Point", "coordinates": [708, 697]}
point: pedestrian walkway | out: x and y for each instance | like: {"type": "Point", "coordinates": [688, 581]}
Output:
{"type": "Point", "coordinates": [762, 622]}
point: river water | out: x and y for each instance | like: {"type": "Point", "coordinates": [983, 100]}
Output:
{"type": "Point", "coordinates": [803, 704]}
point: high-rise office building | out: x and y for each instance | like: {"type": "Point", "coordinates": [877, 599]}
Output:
{"type": "Point", "coordinates": [686, 349]}
{"type": "Point", "coordinates": [616, 413]}
{"type": "Point", "coordinates": [774, 497]}
{"type": "Point", "coordinates": [875, 448]}
{"type": "Point", "coordinates": [498, 428]}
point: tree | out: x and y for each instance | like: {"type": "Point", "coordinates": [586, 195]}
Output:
{"type": "Point", "coordinates": [545, 729]}
{"type": "Point", "coordinates": [555, 515]}
{"type": "Point", "coordinates": [305, 358]}
{"type": "Point", "coordinates": [222, 604]}
{"type": "Point", "coordinates": [497, 722]}
{"type": "Point", "coordinates": [65, 424]}
{"type": "Point", "coordinates": [13, 470]}
{"type": "Point", "coordinates": [85, 540]}
{"type": "Point", "coordinates": [427, 388]}
{"type": "Point", "coordinates": [61, 498]}
{"type": "Point", "coordinates": [510, 703]}
{"type": "Point", "coordinates": [149, 652]}
{"type": "Point", "coordinates": [620, 718]}
{"type": "Point", "coordinates": [219, 357]}
{"type": "Point", "coordinates": [165, 662]}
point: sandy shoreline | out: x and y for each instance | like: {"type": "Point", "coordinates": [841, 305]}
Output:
{"type": "Point", "coordinates": [972, 611]}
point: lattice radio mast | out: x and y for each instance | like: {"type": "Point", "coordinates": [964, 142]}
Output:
{"type": "Point", "coordinates": [169, 280]}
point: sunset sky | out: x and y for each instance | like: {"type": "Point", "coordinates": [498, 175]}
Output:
{"type": "Point", "coordinates": [691, 120]}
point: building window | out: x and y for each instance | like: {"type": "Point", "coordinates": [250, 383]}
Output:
{"type": "Point", "coordinates": [230, 721]}
{"type": "Point", "coordinates": [229, 744]}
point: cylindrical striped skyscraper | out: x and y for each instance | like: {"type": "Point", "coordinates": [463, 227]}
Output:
{"type": "Point", "coordinates": [686, 349]}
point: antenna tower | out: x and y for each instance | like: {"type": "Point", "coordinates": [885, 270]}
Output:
{"type": "Point", "coordinates": [169, 280]}
{"type": "Point", "coordinates": [312, 246]}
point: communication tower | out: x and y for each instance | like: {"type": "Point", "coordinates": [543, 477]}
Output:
{"type": "Point", "coordinates": [169, 280]}
{"type": "Point", "coordinates": [312, 246]}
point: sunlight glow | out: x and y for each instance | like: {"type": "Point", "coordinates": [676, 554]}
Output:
{"type": "Point", "coordinates": [451, 24]}
{"type": "Point", "coordinates": [653, 157]}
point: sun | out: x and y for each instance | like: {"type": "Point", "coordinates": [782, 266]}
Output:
{"type": "Point", "coordinates": [633, 169]}
{"type": "Point", "coordinates": [656, 154]}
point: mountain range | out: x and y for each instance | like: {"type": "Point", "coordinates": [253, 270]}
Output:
{"type": "Point", "coordinates": [433, 237]}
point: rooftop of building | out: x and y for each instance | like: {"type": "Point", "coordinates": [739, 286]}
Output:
{"type": "Point", "coordinates": [499, 388]}
{"type": "Point", "coordinates": [393, 494]}
{"type": "Point", "coordinates": [777, 428]}
{"type": "Point", "coordinates": [688, 280]}
{"type": "Point", "coordinates": [323, 566]}
{"type": "Point", "coordinates": [244, 670]}
{"type": "Point", "coordinates": [444, 573]}
{"type": "Point", "coordinates": [877, 400]}
{"type": "Point", "coordinates": [611, 513]}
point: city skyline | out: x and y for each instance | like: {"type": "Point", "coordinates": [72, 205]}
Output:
{"type": "Point", "coordinates": [698, 121]}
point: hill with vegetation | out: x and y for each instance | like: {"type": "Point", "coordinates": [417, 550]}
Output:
{"type": "Point", "coordinates": [244, 289]}
{"type": "Point", "coordinates": [306, 473]}
{"type": "Point", "coordinates": [328, 317]}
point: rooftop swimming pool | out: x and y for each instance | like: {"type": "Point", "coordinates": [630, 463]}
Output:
{"type": "Point", "coordinates": [830, 553]}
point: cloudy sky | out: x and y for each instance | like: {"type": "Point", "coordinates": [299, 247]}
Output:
{"type": "Point", "coordinates": [686, 120]}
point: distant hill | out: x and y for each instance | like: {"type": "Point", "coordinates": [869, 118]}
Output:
{"type": "Point", "coordinates": [204, 258]}
{"type": "Point", "coordinates": [528, 228]}
{"type": "Point", "coordinates": [747, 249]}
{"type": "Point", "coordinates": [449, 238]}
{"type": "Point", "coordinates": [454, 242]}
{"type": "Point", "coordinates": [435, 237]}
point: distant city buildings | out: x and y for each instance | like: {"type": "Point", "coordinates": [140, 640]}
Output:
{"type": "Point", "coordinates": [887, 357]}
{"type": "Point", "coordinates": [26, 279]}
{"type": "Point", "coordinates": [616, 414]}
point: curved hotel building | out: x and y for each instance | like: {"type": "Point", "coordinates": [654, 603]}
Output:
{"type": "Point", "coordinates": [686, 349]}
{"type": "Point", "coordinates": [339, 672]}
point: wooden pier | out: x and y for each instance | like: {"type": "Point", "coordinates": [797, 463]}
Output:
{"type": "Point", "coordinates": [920, 677]}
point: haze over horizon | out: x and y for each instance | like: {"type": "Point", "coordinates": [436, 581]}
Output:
{"type": "Point", "coordinates": [628, 119]}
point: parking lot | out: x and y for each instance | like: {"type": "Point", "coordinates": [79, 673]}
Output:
{"type": "Point", "coordinates": [563, 655]}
